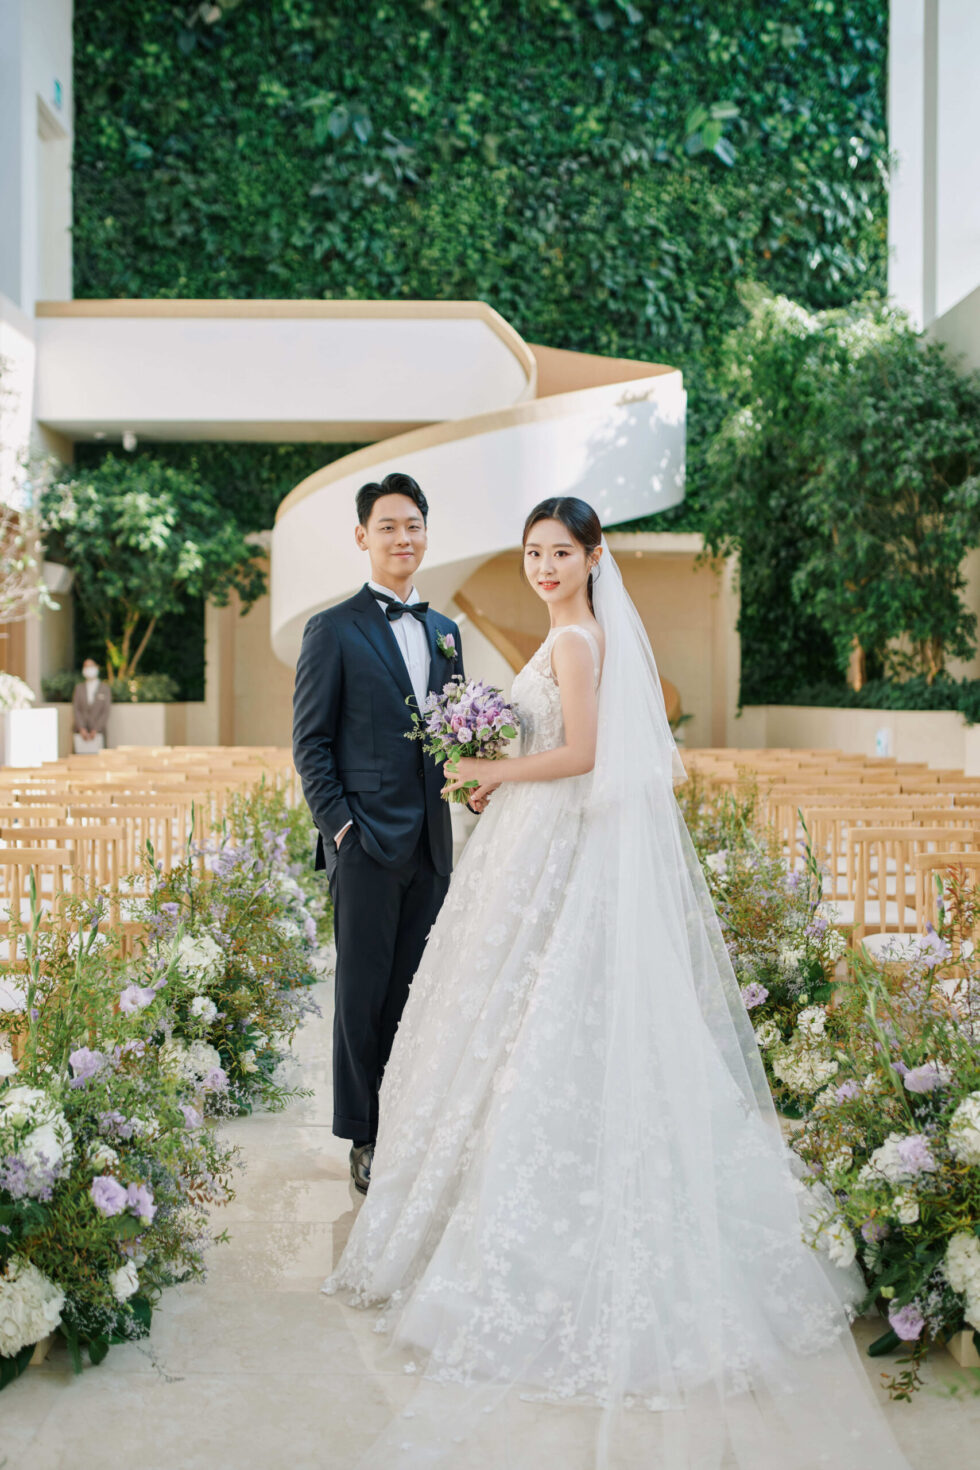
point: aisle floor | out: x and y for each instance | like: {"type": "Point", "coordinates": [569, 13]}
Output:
{"type": "Point", "coordinates": [256, 1368]}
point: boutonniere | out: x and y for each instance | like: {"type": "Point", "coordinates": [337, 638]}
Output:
{"type": "Point", "coordinates": [446, 644]}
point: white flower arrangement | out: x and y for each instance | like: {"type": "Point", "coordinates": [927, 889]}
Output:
{"type": "Point", "coordinates": [43, 1139]}
{"type": "Point", "coordinates": [194, 1060]}
{"type": "Point", "coordinates": [961, 1267]}
{"type": "Point", "coordinates": [964, 1130]}
{"type": "Point", "coordinates": [812, 1022]}
{"type": "Point", "coordinates": [801, 1067]}
{"type": "Point", "coordinates": [199, 958]}
{"type": "Point", "coordinates": [14, 693]}
{"type": "Point", "coordinates": [894, 1161]}
{"type": "Point", "coordinates": [30, 1306]}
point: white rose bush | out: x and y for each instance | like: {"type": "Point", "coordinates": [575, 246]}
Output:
{"type": "Point", "coordinates": [109, 1166]}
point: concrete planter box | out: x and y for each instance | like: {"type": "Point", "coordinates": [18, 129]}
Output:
{"type": "Point", "coordinates": [28, 736]}
{"type": "Point", "coordinates": [941, 737]}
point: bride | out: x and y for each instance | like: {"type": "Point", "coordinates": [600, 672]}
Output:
{"type": "Point", "coordinates": [580, 1196]}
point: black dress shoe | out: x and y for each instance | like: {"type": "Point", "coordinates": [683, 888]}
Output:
{"type": "Point", "coordinates": [360, 1166]}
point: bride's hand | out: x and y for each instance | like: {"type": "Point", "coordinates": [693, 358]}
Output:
{"type": "Point", "coordinates": [478, 799]}
{"type": "Point", "coordinates": [466, 768]}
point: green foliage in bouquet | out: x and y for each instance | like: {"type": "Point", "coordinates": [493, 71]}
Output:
{"type": "Point", "coordinates": [892, 1147]}
{"type": "Point", "coordinates": [782, 944]}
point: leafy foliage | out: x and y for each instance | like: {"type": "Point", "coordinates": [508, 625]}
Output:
{"type": "Point", "coordinates": [142, 537]}
{"type": "Point", "coordinates": [141, 689]}
{"type": "Point", "coordinates": [868, 437]}
{"type": "Point", "coordinates": [603, 173]}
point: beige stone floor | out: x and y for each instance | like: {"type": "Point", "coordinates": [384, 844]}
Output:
{"type": "Point", "coordinates": [256, 1368]}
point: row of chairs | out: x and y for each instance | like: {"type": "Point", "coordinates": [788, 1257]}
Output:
{"type": "Point", "coordinates": [79, 825]}
{"type": "Point", "coordinates": [884, 832]}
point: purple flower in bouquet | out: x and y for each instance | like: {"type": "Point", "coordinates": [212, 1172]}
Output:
{"type": "Point", "coordinates": [906, 1322]}
{"type": "Point", "coordinates": [873, 1231]}
{"type": "Point", "coordinates": [754, 994]}
{"type": "Point", "coordinates": [135, 998]}
{"type": "Point", "coordinates": [108, 1195]}
{"type": "Point", "coordinates": [464, 720]}
{"type": "Point", "coordinates": [847, 1090]}
{"type": "Point", "coordinates": [915, 1154]}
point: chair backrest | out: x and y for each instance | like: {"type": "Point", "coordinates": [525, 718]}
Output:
{"type": "Point", "coordinates": [931, 871]}
{"type": "Point", "coordinates": [884, 863]}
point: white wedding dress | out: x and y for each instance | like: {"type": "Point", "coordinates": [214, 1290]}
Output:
{"type": "Point", "coordinates": [582, 1230]}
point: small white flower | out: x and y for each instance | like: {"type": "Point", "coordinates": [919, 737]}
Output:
{"type": "Point", "coordinates": [249, 1064]}
{"type": "Point", "coordinates": [717, 862]}
{"type": "Point", "coordinates": [964, 1130]}
{"type": "Point", "coordinates": [767, 1034]}
{"type": "Point", "coordinates": [812, 1021]}
{"type": "Point", "coordinates": [102, 1157]}
{"type": "Point", "coordinates": [205, 1008]}
{"type": "Point", "coordinates": [124, 1282]}
{"type": "Point", "coordinates": [906, 1208]}
{"type": "Point", "coordinates": [8, 1067]}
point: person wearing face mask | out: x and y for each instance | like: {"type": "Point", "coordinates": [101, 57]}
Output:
{"type": "Point", "coordinates": [91, 706]}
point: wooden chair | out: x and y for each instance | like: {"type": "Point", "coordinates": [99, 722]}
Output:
{"type": "Point", "coordinates": [885, 894]}
{"type": "Point", "coordinates": [52, 871]}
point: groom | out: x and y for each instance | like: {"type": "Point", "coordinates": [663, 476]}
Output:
{"type": "Point", "coordinates": [385, 837]}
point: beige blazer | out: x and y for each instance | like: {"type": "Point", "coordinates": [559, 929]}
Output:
{"type": "Point", "coordinates": [94, 716]}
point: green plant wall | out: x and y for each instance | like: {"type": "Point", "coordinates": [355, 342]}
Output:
{"type": "Point", "coordinates": [604, 173]}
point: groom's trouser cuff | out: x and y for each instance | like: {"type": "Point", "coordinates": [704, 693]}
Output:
{"type": "Point", "coordinates": [347, 1128]}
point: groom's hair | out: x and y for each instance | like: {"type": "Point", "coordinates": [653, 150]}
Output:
{"type": "Point", "coordinates": [397, 483]}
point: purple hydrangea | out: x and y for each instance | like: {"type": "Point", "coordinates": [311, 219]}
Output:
{"type": "Point", "coordinates": [915, 1154]}
{"type": "Point", "coordinates": [873, 1231]}
{"type": "Point", "coordinates": [754, 994]}
{"type": "Point", "coordinates": [906, 1322]}
{"type": "Point", "coordinates": [847, 1090]}
{"type": "Point", "coordinates": [193, 1118]}
{"type": "Point", "coordinates": [108, 1195]}
{"type": "Point", "coordinates": [216, 1080]}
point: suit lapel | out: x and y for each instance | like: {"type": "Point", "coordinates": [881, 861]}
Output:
{"type": "Point", "coordinates": [436, 673]}
{"type": "Point", "coordinates": [376, 629]}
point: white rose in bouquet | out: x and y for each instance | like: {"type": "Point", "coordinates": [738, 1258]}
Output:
{"type": "Point", "coordinates": [30, 1306]}
{"type": "Point", "coordinates": [43, 1140]}
{"type": "Point", "coordinates": [961, 1267]}
{"type": "Point", "coordinates": [199, 958]}
{"type": "Point", "coordinates": [124, 1282]}
{"type": "Point", "coordinates": [964, 1130]}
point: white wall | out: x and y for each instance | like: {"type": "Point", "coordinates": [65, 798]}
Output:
{"type": "Point", "coordinates": [35, 178]}
{"type": "Point", "coordinates": [934, 131]}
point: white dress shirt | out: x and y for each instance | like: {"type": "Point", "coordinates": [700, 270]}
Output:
{"type": "Point", "coordinates": [413, 644]}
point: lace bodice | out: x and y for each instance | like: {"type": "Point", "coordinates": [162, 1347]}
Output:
{"type": "Point", "coordinates": [537, 698]}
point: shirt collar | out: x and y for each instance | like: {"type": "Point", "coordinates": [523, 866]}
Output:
{"type": "Point", "coordinates": [409, 600]}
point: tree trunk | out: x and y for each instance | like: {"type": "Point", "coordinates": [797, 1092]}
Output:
{"type": "Point", "coordinates": [857, 665]}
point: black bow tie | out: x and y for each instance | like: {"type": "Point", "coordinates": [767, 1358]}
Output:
{"type": "Point", "coordinates": [394, 609]}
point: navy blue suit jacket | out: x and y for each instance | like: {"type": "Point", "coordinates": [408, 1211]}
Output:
{"type": "Point", "coordinates": [352, 708]}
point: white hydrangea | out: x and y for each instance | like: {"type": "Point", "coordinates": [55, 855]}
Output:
{"type": "Point", "coordinates": [717, 862]}
{"type": "Point", "coordinates": [204, 1007]}
{"type": "Point", "coordinates": [124, 1282]}
{"type": "Point", "coordinates": [190, 1060]}
{"type": "Point", "coordinates": [8, 1067]}
{"type": "Point", "coordinates": [43, 1136]}
{"type": "Point", "coordinates": [30, 1306]}
{"type": "Point", "coordinates": [906, 1208]}
{"type": "Point", "coordinates": [887, 1162]}
{"type": "Point", "coordinates": [767, 1034]}
{"type": "Point", "coordinates": [964, 1130]}
{"type": "Point", "coordinates": [198, 957]}
{"type": "Point", "coordinates": [802, 1068]}
{"type": "Point", "coordinates": [961, 1267]}
{"type": "Point", "coordinates": [812, 1021]}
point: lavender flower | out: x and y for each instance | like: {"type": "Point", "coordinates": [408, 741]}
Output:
{"type": "Point", "coordinates": [754, 994]}
{"type": "Point", "coordinates": [108, 1195]}
{"type": "Point", "coordinates": [915, 1154]}
{"type": "Point", "coordinates": [925, 1078]}
{"type": "Point", "coordinates": [873, 1231]}
{"type": "Point", "coordinates": [140, 1202]}
{"type": "Point", "coordinates": [906, 1322]}
{"type": "Point", "coordinates": [192, 1117]}
{"type": "Point", "coordinates": [85, 1065]}
{"type": "Point", "coordinates": [847, 1090]}
{"type": "Point", "coordinates": [136, 998]}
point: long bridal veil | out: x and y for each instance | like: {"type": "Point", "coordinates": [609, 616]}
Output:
{"type": "Point", "coordinates": [644, 1297]}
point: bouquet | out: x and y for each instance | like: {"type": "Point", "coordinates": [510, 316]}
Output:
{"type": "Point", "coordinates": [464, 720]}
